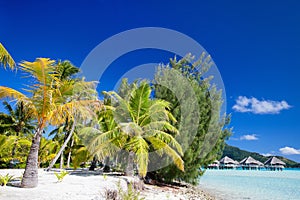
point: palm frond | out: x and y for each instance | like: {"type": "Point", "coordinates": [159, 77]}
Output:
{"type": "Point", "coordinates": [168, 139]}
{"type": "Point", "coordinates": [141, 149]}
{"type": "Point", "coordinates": [162, 147]}
{"type": "Point", "coordinates": [161, 125]}
{"type": "Point", "coordinates": [85, 89]}
{"type": "Point", "coordinates": [5, 58]}
{"type": "Point", "coordinates": [24, 142]}
{"type": "Point", "coordinates": [10, 110]}
{"type": "Point", "coordinates": [139, 102]}
{"type": "Point", "coordinates": [131, 129]}
{"type": "Point", "coordinates": [122, 112]}
{"type": "Point", "coordinates": [42, 69]}
{"type": "Point", "coordinates": [105, 149]}
{"type": "Point", "coordinates": [6, 92]}
{"type": "Point", "coordinates": [66, 69]}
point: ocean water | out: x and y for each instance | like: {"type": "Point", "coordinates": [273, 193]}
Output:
{"type": "Point", "coordinates": [252, 184]}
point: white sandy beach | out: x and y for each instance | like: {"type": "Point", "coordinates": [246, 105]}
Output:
{"type": "Point", "coordinates": [87, 186]}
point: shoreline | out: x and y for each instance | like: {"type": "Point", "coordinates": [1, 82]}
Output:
{"type": "Point", "coordinates": [176, 192]}
{"type": "Point", "coordinates": [84, 185]}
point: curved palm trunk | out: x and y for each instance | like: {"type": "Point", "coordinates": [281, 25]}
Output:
{"type": "Point", "coordinates": [69, 154]}
{"type": "Point", "coordinates": [62, 147]}
{"type": "Point", "coordinates": [30, 177]}
{"type": "Point", "coordinates": [129, 171]}
{"type": "Point", "coordinates": [61, 165]}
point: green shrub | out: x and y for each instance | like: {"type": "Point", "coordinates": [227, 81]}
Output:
{"type": "Point", "coordinates": [130, 194]}
{"type": "Point", "coordinates": [60, 176]}
{"type": "Point", "coordinates": [5, 179]}
{"type": "Point", "coordinates": [21, 165]}
{"type": "Point", "coordinates": [105, 177]}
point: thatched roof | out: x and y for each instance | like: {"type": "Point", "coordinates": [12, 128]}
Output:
{"type": "Point", "coordinates": [274, 161]}
{"type": "Point", "coordinates": [227, 160]}
{"type": "Point", "coordinates": [250, 161]}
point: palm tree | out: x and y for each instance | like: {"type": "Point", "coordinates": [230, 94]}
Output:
{"type": "Point", "coordinates": [6, 143]}
{"type": "Point", "coordinates": [17, 122]}
{"type": "Point", "coordinates": [60, 134]}
{"type": "Point", "coordinates": [81, 90]}
{"type": "Point", "coordinates": [5, 58]}
{"type": "Point", "coordinates": [46, 100]}
{"type": "Point", "coordinates": [136, 124]}
{"type": "Point", "coordinates": [65, 70]}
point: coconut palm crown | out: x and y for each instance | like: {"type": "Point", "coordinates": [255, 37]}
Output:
{"type": "Point", "coordinates": [138, 124]}
{"type": "Point", "coordinates": [50, 100]}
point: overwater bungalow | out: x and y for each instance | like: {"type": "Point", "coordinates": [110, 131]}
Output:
{"type": "Point", "coordinates": [227, 163]}
{"type": "Point", "coordinates": [214, 165]}
{"type": "Point", "coordinates": [251, 163]}
{"type": "Point", "coordinates": [274, 164]}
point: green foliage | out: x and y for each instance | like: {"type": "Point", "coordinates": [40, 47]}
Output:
{"type": "Point", "coordinates": [130, 194]}
{"type": "Point", "coordinates": [47, 151]}
{"type": "Point", "coordinates": [105, 177]}
{"type": "Point", "coordinates": [137, 124]}
{"type": "Point", "coordinates": [16, 128]}
{"type": "Point", "coordinates": [238, 154]}
{"type": "Point", "coordinates": [81, 91]}
{"type": "Point", "coordinates": [19, 145]}
{"type": "Point", "coordinates": [51, 99]}
{"type": "Point", "coordinates": [18, 121]}
{"type": "Point", "coordinates": [5, 58]}
{"type": "Point", "coordinates": [60, 176]}
{"type": "Point", "coordinates": [66, 70]}
{"type": "Point", "coordinates": [207, 144]}
{"type": "Point", "coordinates": [80, 155]}
{"type": "Point", "coordinates": [5, 179]}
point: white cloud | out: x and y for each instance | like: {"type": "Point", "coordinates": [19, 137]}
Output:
{"type": "Point", "coordinates": [249, 137]}
{"type": "Point", "coordinates": [253, 105]}
{"type": "Point", "coordinates": [289, 151]}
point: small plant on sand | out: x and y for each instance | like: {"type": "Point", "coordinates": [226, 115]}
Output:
{"type": "Point", "coordinates": [60, 176]}
{"type": "Point", "coordinates": [168, 196]}
{"type": "Point", "coordinates": [5, 179]}
{"type": "Point", "coordinates": [131, 194]}
{"type": "Point", "coordinates": [105, 177]}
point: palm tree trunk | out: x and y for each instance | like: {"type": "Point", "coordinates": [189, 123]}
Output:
{"type": "Point", "coordinates": [69, 154]}
{"type": "Point", "coordinates": [61, 165]}
{"type": "Point", "coordinates": [62, 147]}
{"type": "Point", "coordinates": [30, 177]}
{"type": "Point", "coordinates": [13, 152]}
{"type": "Point", "coordinates": [129, 171]}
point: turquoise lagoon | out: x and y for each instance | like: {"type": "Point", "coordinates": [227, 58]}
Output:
{"type": "Point", "coordinates": [252, 184]}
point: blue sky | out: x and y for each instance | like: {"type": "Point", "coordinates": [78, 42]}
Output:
{"type": "Point", "coordinates": [255, 44]}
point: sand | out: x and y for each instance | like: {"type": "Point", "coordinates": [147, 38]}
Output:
{"type": "Point", "coordinates": [84, 185]}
